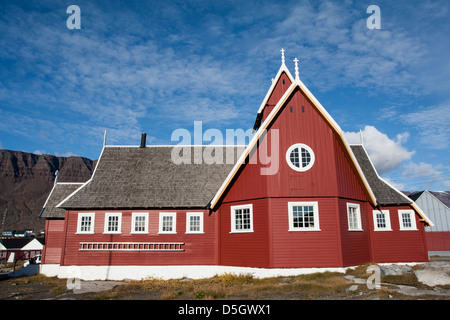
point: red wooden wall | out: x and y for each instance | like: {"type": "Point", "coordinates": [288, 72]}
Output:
{"type": "Point", "coordinates": [397, 245]}
{"type": "Point", "coordinates": [332, 182]}
{"type": "Point", "coordinates": [282, 85]}
{"type": "Point", "coordinates": [438, 241]}
{"type": "Point", "coordinates": [199, 249]}
{"type": "Point", "coordinates": [54, 241]}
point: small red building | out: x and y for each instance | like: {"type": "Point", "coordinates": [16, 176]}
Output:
{"type": "Point", "coordinates": [297, 196]}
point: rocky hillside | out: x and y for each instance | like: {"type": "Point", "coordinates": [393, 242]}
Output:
{"type": "Point", "coordinates": [26, 180]}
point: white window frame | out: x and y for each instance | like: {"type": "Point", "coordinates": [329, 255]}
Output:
{"type": "Point", "coordinates": [134, 215]}
{"type": "Point", "coordinates": [233, 218]}
{"type": "Point", "coordinates": [387, 219]}
{"type": "Point", "coordinates": [412, 217]}
{"type": "Point", "coordinates": [161, 222]}
{"type": "Point", "coordinates": [119, 222]}
{"type": "Point", "coordinates": [358, 217]}
{"type": "Point", "coordinates": [313, 204]}
{"type": "Point", "coordinates": [188, 222]}
{"type": "Point", "coordinates": [85, 214]}
{"type": "Point", "coordinates": [300, 169]}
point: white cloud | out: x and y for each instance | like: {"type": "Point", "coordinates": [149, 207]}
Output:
{"type": "Point", "coordinates": [386, 153]}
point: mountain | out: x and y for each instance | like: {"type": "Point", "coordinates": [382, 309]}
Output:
{"type": "Point", "coordinates": [26, 180]}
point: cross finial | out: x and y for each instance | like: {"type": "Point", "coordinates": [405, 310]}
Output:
{"type": "Point", "coordinates": [296, 69]}
{"type": "Point", "coordinates": [282, 55]}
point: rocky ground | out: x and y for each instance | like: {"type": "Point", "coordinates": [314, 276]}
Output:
{"type": "Point", "coordinates": [421, 281]}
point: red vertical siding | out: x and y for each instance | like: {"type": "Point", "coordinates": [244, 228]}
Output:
{"type": "Point", "coordinates": [277, 93]}
{"type": "Point", "coordinates": [245, 249]}
{"type": "Point", "coordinates": [355, 244]}
{"type": "Point", "coordinates": [54, 239]}
{"type": "Point", "coordinates": [294, 249]}
{"type": "Point", "coordinates": [302, 125]}
{"type": "Point", "coordinates": [330, 180]}
{"type": "Point", "coordinates": [438, 241]}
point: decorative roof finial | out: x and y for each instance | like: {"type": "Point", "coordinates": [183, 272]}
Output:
{"type": "Point", "coordinates": [296, 69]}
{"type": "Point", "coordinates": [282, 55]}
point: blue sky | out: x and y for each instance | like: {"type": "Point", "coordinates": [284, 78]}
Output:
{"type": "Point", "coordinates": [156, 66]}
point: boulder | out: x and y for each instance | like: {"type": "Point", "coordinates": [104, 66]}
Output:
{"type": "Point", "coordinates": [432, 277]}
{"type": "Point", "coordinates": [395, 270]}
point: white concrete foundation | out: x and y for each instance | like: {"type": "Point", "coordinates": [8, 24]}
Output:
{"type": "Point", "coordinates": [167, 272]}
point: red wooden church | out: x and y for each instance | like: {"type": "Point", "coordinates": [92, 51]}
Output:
{"type": "Point", "coordinates": [318, 203]}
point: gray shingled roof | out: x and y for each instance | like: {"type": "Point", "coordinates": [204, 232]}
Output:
{"type": "Point", "coordinates": [384, 193]}
{"type": "Point", "coordinates": [59, 192]}
{"type": "Point", "coordinates": [133, 177]}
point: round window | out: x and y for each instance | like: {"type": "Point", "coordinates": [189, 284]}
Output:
{"type": "Point", "coordinates": [300, 157]}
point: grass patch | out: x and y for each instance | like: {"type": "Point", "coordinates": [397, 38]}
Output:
{"type": "Point", "coordinates": [235, 285]}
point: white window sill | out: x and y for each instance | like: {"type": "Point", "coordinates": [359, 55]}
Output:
{"type": "Point", "coordinates": [302, 230]}
{"type": "Point", "coordinates": [243, 231]}
{"type": "Point", "coordinates": [195, 232]}
{"type": "Point", "coordinates": [84, 232]}
{"type": "Point", "coordinates": [167, 232]}
{"type": "Point", "coordinates": [383, 230]}
{"type": "Point", "coordinates": [358, 230]}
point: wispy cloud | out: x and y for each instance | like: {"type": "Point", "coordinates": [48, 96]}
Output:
{"type": "Point", "coordinates": [433, 125]}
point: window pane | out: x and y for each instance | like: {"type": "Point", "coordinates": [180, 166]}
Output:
{"type": "Point", "coordinates": [295, 159]}
{"type": "Point", "coordinates": [303, 216]}
{"type": "Point", "coordinates": [139, 223]}
{"type": "Point", "coordinates": [113, 223]}
{"type": "Point", "coordinates": [242, 219]}
{"type": "Point", "coordinates": [167, 223]}
{"type": "Point", "coordinates": [381, 220]}
{"type": "Point", "coordinates": [194, 223]}
{"type": "Point", "coordinates": [353, 218]}
{"type": "Point", "coordinates": [85, 223]}
{"type": "Point", "coordinates": [306, 157]}
{"type": "Point", "coordinates": [406, 218]}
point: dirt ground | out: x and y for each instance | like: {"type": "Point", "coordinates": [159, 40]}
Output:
{"type": "Point", "coordinates": [329, 286]}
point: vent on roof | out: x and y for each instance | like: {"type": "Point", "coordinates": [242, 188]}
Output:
{"type": "Point", "coordinates": [143, 138]}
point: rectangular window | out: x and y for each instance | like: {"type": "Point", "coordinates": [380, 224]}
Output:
{"type": "Point", "coordinates": [407, 220]}
{"type": "Point", "coordinates": [168, 222]}
{"type": "Point", "coordinates": [354, 217]}
{"type": "Point", "coordinates": [381, 220]}
{"type": "Point", "coordinates": [194, 222]}
{"type": "Point", "coordinates": [303, 216]}
{"type": "Point", "coordinates": [85, 223]}
{"type": "Point", "coordinates": [139, 222]}
{"type": "Point", "coordinates": [113, 223]}
{"type": "Point", "coordinates": [242, 218]}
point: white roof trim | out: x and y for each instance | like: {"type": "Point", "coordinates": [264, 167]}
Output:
{"type": "Point", "coordinates": [84, 184]}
